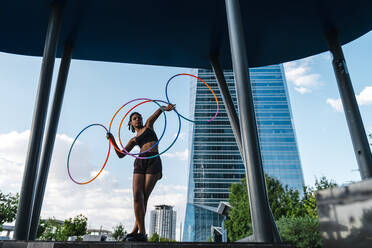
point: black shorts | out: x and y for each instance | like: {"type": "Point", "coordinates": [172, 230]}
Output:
{"type": "Point", "coordinates": [148, 166]}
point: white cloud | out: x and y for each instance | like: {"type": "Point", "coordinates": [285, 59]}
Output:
{"type": "Point", "coordinates": [103, 201]}
{"type": "Point", "coordinates": [13, 145]}
{"type": "Point", "coordinates": [299, 73]}
{"type": "Point", "coordinates": [102, 175]}
{"type": "Point", "coordinates": [364, 98]}
{"type": "Point", "coordinates": [178, 155]}
{"type": "Point", "coordinates": [336, 104]}
{"type": "Point", "coordinates": [302, 90]}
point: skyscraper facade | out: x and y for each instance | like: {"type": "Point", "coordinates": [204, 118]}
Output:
{"type": "Point", "coordinates": [163, 222]}
{"type": "Point", "coordinates": [215, 161]}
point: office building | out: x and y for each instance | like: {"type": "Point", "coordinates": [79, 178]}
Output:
{"type": "Point", "coordinates": [163, 222]}
{"type": "Point", "coordinates": [215, 162]}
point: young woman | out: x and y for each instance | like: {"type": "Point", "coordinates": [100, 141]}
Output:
{"type": "Point", "coordinates": [146, 171]}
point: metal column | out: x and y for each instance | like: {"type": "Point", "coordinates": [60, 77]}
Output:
{"type": "Point", "coordinates": [234, 120]}
{"type": "Point", "coordinates": [263, 226]}
{"type": "Point", "coordinates": [354, 120]}
{"type": "Point", "coordinates": [228, 102]}
{"type": "Point", "coordinates": [22, 224]}
{"type": "Point", "coordinates": [48, 146]}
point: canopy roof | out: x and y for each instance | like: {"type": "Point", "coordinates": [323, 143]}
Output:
{"type": "Point", "coordinates": [182, 33]}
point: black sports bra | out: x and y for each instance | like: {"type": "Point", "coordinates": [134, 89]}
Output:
{"type": "Point", "coordinates": [147, 136]}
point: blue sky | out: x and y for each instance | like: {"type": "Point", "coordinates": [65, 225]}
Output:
{"type": "Point", "coordinates": [95, 90]}
{"type": "Point", "coordinates": [323, 137]}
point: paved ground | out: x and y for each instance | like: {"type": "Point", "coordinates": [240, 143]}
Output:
{"type": "Point", "coordinates": [20, 244]}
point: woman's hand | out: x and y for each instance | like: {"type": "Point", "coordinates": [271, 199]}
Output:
{"type": "Point", "coordinates": [151, 120]}
{"type": "Point", "coordinates": [120, 154]}
{"type": "Point", "coordinates": [170, 107]}
{"type": "Point", "coordinates": [110, 136]}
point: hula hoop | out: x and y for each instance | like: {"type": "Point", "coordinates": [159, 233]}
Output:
{"type": "Point", "coordinates": [178, 133]}
{"type": "Point", "coordinates": [121, 122]}
{"type": "Point", "coordinates": [187, 119]}
{"type": "Point", "coordinates": [147, 100]}
{"type": "Point", "coordinates": [69, 153]}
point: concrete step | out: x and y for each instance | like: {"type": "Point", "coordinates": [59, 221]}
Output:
{"type": "Point", "coordinates": [23, 244]}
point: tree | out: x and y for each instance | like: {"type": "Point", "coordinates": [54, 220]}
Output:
{"type": "Point", "coordinates": [76, 226]}
{"type": "Point", "coordinates": [238, 224]}
{"type": "Point", "coordinates": [309, 200]}
{"type": "Point", "coordinates": [52, 230]}
{"type": "Point", "coordinates": [283, 202]}
{"type": "Point", "coordinates": [302, 231]}
{"type": "Point", "coordinates": [296, 217]}
{"type": "Point", "coordinates": [41, 227]}
{"type": "Point", "coordinates": [8, 207]}
{"type": "Point", "coordinates": [162, 239]}
{"type": "Point", "coordinates": [154, 238]}
{"type": "Point", "coordinates": [119, 232]}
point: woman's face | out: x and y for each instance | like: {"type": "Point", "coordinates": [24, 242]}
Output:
{"type": "Point", "coordinates": [136, 121]}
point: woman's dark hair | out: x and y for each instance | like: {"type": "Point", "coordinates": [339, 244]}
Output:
{"type": "Point", "coordinates": [130, 127]}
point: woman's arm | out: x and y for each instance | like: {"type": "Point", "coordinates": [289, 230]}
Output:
{"type": "Point", "coordinates": [128, 147]}
{"type": "Point", "coordinates": [151, 120]}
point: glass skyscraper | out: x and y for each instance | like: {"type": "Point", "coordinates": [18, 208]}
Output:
{"type": "Point", "coordinates": [215, 162]}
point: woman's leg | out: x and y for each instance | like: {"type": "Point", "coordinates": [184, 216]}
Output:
{"type": "Point", "coordinates": [150, 181]}
{"type": "Point", "coordinates": [139, 202]}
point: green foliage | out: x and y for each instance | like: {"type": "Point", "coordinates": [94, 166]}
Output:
{"type": "Point", "coordinates": [239, 223]}
{"type": "Point", "coordinates": [76, 226]}
{"type": "Point", "coordinates": [154, 238]}
{"type": "Point", "coordinates": [283, 202]}
{"type": "Point", "coordinates": [210, 239]}
{"type": "Point", "coordinates": [302, 231]}
{"type": "Point", "coordinates": [8, 207]}
{"type": "Point", "coordinates": [286, 205]}
{"type": "Point", "coordinates": [309, 200]}
{"type": "Point", "coordinates": [53, 231]}
{"type": "Point", "coordinates": [324, 183]}
{"type": "Point", "coordinates": [162, 239]}
{"type": "Point", "coordinates": [119, 232]}
{"type": "Point", "coordinates": [41, 227]}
